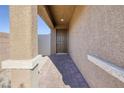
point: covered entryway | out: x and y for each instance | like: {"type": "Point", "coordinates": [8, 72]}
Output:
{"type": "Point", "coordinates": [41, 71]}
{"type": "Point", "coordinates": [57, 18]}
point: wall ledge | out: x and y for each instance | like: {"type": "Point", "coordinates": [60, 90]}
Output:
{"type": "Point", "coordinates": [114, 70]}
{"type": "Point", "coordinates": [21, 64]}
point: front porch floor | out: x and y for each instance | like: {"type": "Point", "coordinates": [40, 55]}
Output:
{"type": "Point", "coordinates": [70, 73]}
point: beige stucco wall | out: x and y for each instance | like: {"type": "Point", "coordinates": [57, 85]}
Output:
{"type": "Point", "coordinates": [4, 46]}
{"type": "Point", "coordinates": [23, 28]}
{"type": "Point", "coordinates": [97, 30]}
{"type": "Point", "coordinates": [23, 41]}
{"type": "Point", "coordinates": [44, 44]}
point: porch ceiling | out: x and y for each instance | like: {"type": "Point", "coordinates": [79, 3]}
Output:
{"type": "Point", "coordinates": [59, 15]}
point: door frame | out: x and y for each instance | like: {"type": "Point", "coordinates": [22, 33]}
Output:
{"type": "Point", "coordinates": [66, 40]}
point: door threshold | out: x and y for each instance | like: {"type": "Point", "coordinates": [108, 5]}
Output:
{"type": "Point", "coordinates": [61, 53]}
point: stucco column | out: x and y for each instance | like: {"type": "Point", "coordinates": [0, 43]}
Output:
{"type": "Point", "coordinates": [23, 41]}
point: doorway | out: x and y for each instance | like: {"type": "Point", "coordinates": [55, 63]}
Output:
{"type": "Point", "coordinates": [61, 41]}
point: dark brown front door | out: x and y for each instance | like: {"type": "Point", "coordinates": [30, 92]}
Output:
{"type": "Point", "coordinates": [61, 41]}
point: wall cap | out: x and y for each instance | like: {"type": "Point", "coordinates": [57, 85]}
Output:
{"type": "Point", "coordinates": [21, 64]}
{"type": "Point", "coordinates": [114, 70]}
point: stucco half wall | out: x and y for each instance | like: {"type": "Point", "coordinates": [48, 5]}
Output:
{"type": "Point", "coordinates": [97, 30]}
{"type": "Point", "coordinates": [44, 44]}
{"type": "Point", "coordinates": [4, 46]}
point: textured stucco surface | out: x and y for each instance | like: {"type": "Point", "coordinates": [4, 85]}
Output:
{"type": "Point", "coordinates": [97, 30]}
{"type": "Point", "coordinates": [23, 41]}
{"type": "Point", "coordinates": [49, 75]}
{"type": "Point", "coordinates": [23, 28]}
{"type": "Point", "coordinates": [4, 54]}
{"type": "Point", "coordinates": [4, 47]}
{"type": "Point", "coordinates": [5, 77]}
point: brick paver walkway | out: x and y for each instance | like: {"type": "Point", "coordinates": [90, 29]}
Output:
{"type": "Point", "coordinates": [71, 74]}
